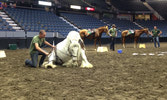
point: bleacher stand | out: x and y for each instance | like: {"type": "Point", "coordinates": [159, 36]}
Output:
{"type": "Point", "coordinates": [35, 20]}
{"type": "Point", "coordinates": [121, 24]}
{"type": "Point", "coordinates": [4, 26]}
{"type": "Point", "coordinates": [84, 21]}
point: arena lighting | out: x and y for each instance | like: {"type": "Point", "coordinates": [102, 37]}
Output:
{"type": "Point", "coordinates": [75, 7]}
{"type": "Point", "coordinates": [90, 9]}
{"type": "Point", "coordinates": [45, 3]}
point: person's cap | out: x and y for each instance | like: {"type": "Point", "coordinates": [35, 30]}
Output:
{"type": "Point", "coordinates": [113, 25]}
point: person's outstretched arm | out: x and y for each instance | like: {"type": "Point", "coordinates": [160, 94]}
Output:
{"type": "Point", "coordinates": [47, 43]}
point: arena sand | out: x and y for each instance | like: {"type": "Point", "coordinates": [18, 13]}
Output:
{"type": "Point", "coordinates": [114, 77]}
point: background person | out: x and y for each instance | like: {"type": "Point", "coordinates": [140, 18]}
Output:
{"type": "Point", "coordinates": [155, 34]}
{"type": "Point", "coordinates": [113, 34]}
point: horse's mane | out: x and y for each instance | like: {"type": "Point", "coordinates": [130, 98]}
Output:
{"type": "Point", "coordinates": [145, 29]}
{"type": "Point", "coordinates": [142, 29]}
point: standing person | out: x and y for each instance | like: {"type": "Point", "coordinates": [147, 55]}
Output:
{"type": "Point", "coordinates": [113, 34]}
{"type": "Point", "coordinates": [35, 49]}
{"type": "Point", "coordinates": [155, 34]}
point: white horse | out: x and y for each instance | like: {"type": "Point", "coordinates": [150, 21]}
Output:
{"type": "Point", "coordinates": [68, 53]}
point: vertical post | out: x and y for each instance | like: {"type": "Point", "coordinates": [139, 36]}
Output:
{"type": "Point", "coordinates": [26, 40]}
{"type": "Point", "coordinates": [54, 37]}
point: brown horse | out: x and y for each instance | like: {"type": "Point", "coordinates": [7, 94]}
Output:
{"type": "Point", "coordinates": [96, 35]}
{"type": "Point", "coordinates": [136, 35]}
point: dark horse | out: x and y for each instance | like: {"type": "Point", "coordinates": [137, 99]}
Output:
{"type": "Point", "coordinates": [136, 35]}
{"type": "Point", "coordinates": [96, 35]}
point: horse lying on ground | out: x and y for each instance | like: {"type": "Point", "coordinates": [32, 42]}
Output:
{"type": "Point", "coordinates": [68, 53]}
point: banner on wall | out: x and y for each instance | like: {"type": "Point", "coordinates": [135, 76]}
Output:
{"type": "Point", "coordinates": [142, 17]}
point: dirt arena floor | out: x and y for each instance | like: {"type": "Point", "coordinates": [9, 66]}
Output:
{"type": "Point", "coordinates": [114, 77]}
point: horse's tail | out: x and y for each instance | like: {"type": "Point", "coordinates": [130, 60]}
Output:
{"type": "Point", "coordinates": [121, 35]}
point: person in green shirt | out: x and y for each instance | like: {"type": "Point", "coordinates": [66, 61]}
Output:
{"type": "Point", "coordinates": [113, 34]}
{"type": "Point", "coordinates": [35, 49]}
{"type": "Point", "coordinates": [155, 34]}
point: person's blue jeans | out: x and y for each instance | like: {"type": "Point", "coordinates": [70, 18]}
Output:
{"type": "Point", "coordinates": [34, 59]}
{"type": "Point", "coordinates": [156, 40]}
{"type": "Point", "coordinates": [112, 44]}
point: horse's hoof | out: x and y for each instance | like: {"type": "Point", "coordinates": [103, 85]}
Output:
{"type": "Point", "coordinates": [43, 65]}
{"type": "Point", "coordinates": [87, 66]}
{"type": "Point", "coordinates": [48, 65]}
{"type": "Point", "coordinates": [75, 64]}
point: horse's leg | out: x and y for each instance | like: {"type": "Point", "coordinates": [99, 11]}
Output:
{"type": "Point", "coordinates": [95, 43]}
{"type": "Point", "coordinates": [85, 63]}
{"type": "Point", "coordinates": [68, 63]}
{"type": "Point", "coordinates": [135, 42]}
{"type": "Point", "coordinates": [51, 59]}
{"type": "Point", "coordinates": [123, 42]}
{"type": "Point", "coordinates": [99, 42]}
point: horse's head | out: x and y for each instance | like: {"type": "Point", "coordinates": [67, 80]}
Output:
{"type": "Point", "coordinates": [146, 30]}
{"type": "Point", "coordinates": [105, 29]}
{"type": "Point", "coordinates": [74, 50]}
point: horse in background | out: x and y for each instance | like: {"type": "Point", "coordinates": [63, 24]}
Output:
{"type": "Point", "coordinates": [68, 53]}
{"type": "Point", "coordinates": [96, 35]}
{"type": "Point", "coordinates": [136, 35]}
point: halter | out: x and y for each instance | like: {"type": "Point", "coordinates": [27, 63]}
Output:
{"type": "Point", "coordinates": [70, 48]}
{"type": "Point", "coordinates": [59, 60]}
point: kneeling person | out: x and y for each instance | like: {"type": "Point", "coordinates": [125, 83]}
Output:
{"type": "Point", "coordinates": [35, 49]}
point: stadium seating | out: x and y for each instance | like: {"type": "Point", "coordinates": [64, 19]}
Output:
{"type": "Point", "coordinates": [35, 20]}
{"type": "Point", "coordinates": [4, 26]}
{"type": "Point", "coordinates": [84, 21]}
